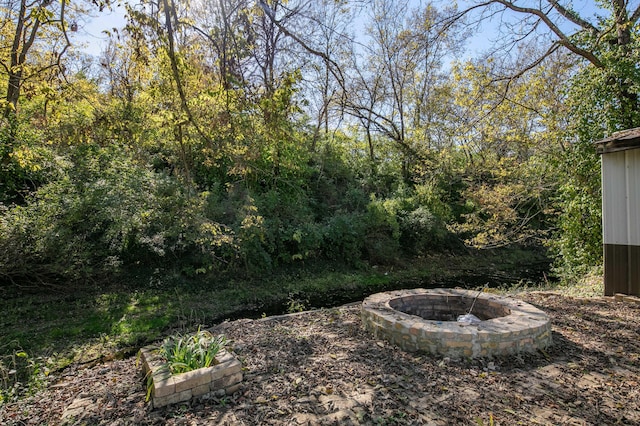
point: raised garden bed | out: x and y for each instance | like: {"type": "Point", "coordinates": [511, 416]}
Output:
{"type": "Point", "coordinates": [221, 379]}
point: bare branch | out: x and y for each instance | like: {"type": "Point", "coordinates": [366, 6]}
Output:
{"type": "Point", "coordinates": [64, 33]}
{"type": "Point", "coordinates": [383, 124]}
{"type": "Point", "coordinates": [563, 38]}
{"type": "Point", "coordinates": [533, 64]}
{"type": "Point", "coordinates": [334, 69]}
{"type": "Point", "coordinates": [572, 16]}
{"type": "Point", "coordinates": [170, 13]}
{"type": "Point", "coordinates": [635, 15]}
{"type": "Point", "coordinates": [449, 22]}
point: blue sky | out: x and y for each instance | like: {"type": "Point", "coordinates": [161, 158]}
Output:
{"type": "Point", "coordinates": [90, 29]}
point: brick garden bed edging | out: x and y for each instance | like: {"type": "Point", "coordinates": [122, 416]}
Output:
{"type": "Point", "coordinates": [221, 379]}
{"type": "Point", "coordinates": [511, 326]}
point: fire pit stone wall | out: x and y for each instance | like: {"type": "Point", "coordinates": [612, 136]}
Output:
{"type": "Point", "coordinates": [425, 321]}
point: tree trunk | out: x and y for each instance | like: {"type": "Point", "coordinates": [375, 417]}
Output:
{"type": "Point", "coordinates": [628, 99]}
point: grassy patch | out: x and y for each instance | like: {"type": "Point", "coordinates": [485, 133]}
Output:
{"type": "Point", "coordinates": [51, 331]}
{"type": "Point", "coordinates": [589, 285]}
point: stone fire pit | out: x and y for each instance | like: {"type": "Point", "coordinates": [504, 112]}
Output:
{"type": "Point", "coordinates": [427, 321]}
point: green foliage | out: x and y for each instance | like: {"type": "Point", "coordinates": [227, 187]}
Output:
{"type": "Point", "coordinates": [20, 375]}
{"type": "Point", "coordinates": [330, 218]}
{"type": "Point", "coordinates": [190, 352]}
{"type": "Point", "coordinates": [344, 237]}
{"type": "Point", "coordinates": [601, 100]}
{"type": "Point", "coordinates": [439, 198]}
{"type": "Point", "coordinates": [106, 212]}
{"type": "Point", "coordinates": [25, 163]}
{"type": "Point", "coordinates": [288, 224]}
{"type": "Point", "coordinates": [382, 230]}
{"type": "Point", "coordinates": [577, 243]}
{"type": "Point", "coordinates": [504, 183]}
{"type": "Point", "coordinates": [421, 231]}
{"type": "Point", "coordinates": [295, 304]}
{"type": "Point", "coordinates": [605, 98]}
{"type": "Point", "coordinates": [507, 202]}
{"type": "Point", "coordinates": [405, 224]}
{"type": "Point", "coordinates": [184, 158]}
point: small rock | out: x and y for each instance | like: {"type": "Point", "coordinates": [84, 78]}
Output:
{"type": "Point", "coordinates": [261, 400]}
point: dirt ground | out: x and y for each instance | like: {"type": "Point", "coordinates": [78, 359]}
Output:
{"type": "Point", "coordinates": [321, 367]}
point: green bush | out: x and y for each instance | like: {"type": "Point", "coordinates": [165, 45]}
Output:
{"type": "Point", "coordinates": [421, 230]}
{"type": "Point", "coordinates": [25, 163]}
{"type": "Point", "coordinates": [405, 223]}
{"type": "Point", "coordinates": [108, 212]}
{"type": "Point", "coordinates": [577, 242]}
{"type": "Point", "coordinates": [344, 237]}
{"type": "Point", "coordinates": [284, 213]}
{"type": "Point", "coordinates": [382, 230]}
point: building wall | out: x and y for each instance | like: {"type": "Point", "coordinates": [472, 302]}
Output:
{"type": "Point", "coordinates": [621, 221]}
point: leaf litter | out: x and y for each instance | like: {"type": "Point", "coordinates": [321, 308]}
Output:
{"type": "Point", "coordinates": [322, 367]}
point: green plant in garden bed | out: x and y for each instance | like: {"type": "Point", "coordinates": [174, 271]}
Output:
{"type": "Point", "coordinates": [187, 353]}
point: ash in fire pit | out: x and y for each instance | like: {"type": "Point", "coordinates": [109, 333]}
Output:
{"type": "Point", "coordinates": [456, 323]}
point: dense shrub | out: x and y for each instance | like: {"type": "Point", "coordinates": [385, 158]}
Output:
{"type": "Point", "coordinates": [25, 164]}
{"type": "Point", "coordinates": [577, 241]}
{"type": "Point", "coordinates": [421, 231]}
{"type": "Point", "coordinates": [344, 237]}
{"type": "Point", "coordinates": [107, 212]}
{"type": "Point", "coordinates": [288, 220]}
{"type": "Point", "coordinates": [382, 231]}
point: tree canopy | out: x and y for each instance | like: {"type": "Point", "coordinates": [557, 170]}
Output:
{"type": "Point", "coordinates": [242, 136]}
